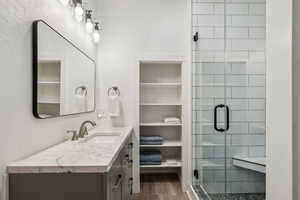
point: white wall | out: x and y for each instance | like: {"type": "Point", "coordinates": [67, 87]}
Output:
{"type": "Point", "coordinates": [279, 100]}
{"type": "Point", "coordinates": [21, 134]}
{"type": "Point", "coordinates": [136, 29]}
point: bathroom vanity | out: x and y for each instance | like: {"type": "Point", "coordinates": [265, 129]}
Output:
{"type": "Point", "coordinates": [98, 167]}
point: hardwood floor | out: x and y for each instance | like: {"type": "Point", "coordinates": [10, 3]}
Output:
{"type": "Point", "coordinates": [160, 187]}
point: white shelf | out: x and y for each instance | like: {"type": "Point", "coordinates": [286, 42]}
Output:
{"type": "Point", "coordinates": [49, 82]}
{"type": "Point", "coordinates": [165, 144]}
{"type": "Point", "coordinates": [161, 84]}
{"type": "Point", "coordinates": [162, 165]}
{"type": "Point", "coordinates": [48, 102]}
{"type": "Point", "coordinates": [161, 104]}
{"type": "Point", "coordinates": [159, 124]}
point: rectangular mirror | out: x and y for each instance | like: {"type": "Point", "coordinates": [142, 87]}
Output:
{"type": "Point", "coordinates": [63, 75]}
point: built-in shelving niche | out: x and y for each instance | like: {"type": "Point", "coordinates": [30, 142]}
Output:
{"type": "Point", "coordinates": [160, 97]}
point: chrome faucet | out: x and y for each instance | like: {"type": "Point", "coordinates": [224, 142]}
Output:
{"type": "Point", "coordinates": [83, 130]}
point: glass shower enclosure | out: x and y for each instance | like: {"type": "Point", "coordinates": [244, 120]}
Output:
{"type": "Point", "coordinates": [228, 99]}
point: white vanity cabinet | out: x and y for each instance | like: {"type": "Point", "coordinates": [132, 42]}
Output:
{"type": "Point", "coordinates": [114, 184]}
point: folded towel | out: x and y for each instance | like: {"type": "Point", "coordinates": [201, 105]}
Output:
{"type": "Point", "coordinates": [151, 138]}
{"type": "Point", "coordinates": [151, 142]}
{"type": "Point", "coordinates": [150, 156]}
{"type": "Point", "coordinates": [150, 163]}
{"type": "Point", "coordinates": [172, 120]}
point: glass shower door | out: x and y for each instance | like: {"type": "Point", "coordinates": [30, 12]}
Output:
{"type": "Point", "coordinates": [228, 98]}
{"type": "Point", "coordinates": [210, 112]}
{"type": "Point", "coordinates": [210, 121]}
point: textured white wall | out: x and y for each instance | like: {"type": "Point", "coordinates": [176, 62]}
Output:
{"type": "Point", "coordinates": [133, 30]}
{"type": "Point", "coordinates": [21, 134]}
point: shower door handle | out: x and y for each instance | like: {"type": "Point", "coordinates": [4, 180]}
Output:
{"type": "Point", "coordinates": [227, 118]}
{"type": "Point", "coordinates": [216, 118]}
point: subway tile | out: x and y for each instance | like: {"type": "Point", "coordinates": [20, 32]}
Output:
{"type": "Point", "coordinates": [242, 151]}
{"type": "Point", "coordinates": [257, 56]}
{"type": "Point", "coordinates": [204, 32]}
{"type": "Point", "coordinates": [257, 151]}
{"type": "Point", "coordinates": [249, 21]}
{"type": "Point", "coordinates": [219, 175]}
{"type": "Point", "coordinates": [210, 20]}
{"type": "Point", "coordinates": [248, 92]}
{"type": "Point", "coordinates": [258, 80]}
{"type": "Point", "coordinates": [256, 68]}
{"type": "Point", "coordinates": [237, 9]}
{"type": "Point", "coordinates": [248, 44]}
{"type": "Point", "coordinates": [237, 32]}
{"type": "Point", "coordinates": [219, 8]}
{"type": "Point", "coordinates": [208, 175]}
{"type": "Point", "coordinates": [257, 104]}
{"type": "Point", "coordinates": [237, 104]}
{"type": "Point", "coordinates": [237, 174]}
{"type": "Point", "coordinates": [257, 33]}
{"type": "Point", "coordinates": [257, 9]}
{"type": "Point", "coordinates": [203, 8]}
{"type": "Point", "coordinates": [237, 55]}
{"type": "Point", "coordinates": [249, 140]}
{"type": "Point", "coordinates": [211, 44]}
{"type": "Point", "coordinates": [257, 128]}
{"type": "Point", "coordinates": [238, 128]}
{"type": "Point", "coordinates": [237, 80]}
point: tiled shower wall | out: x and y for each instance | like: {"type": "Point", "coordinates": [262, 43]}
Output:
{"type": "Point", "coordinates": [229, 61]}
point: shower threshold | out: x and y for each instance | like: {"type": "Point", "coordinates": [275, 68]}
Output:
{"type": "Point", "coordinates": [229, 196]}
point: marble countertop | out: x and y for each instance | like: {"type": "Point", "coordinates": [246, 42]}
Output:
{"type": "Point", "coordinates": [92, 154]}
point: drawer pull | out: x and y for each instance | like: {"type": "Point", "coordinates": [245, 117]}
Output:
{"type": "Point", "coordinates": [118, 182]}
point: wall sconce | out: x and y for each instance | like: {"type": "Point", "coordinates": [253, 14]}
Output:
{"type": "Point", "coordinates": [78, 10]}
{"type": "Point", "coordinates": [96, 34]}
{"type": "Point", "coordinates": [89, 26]}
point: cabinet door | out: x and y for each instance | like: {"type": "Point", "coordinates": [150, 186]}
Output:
{"type": "Point", "coordinates": [116, 189]}
{"type": "Point", "coordinates": [127, 167]}
{"type": "Point", "coordinates": [116, 178]}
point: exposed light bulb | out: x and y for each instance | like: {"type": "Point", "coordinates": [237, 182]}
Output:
{"type": "Point", "coordinates": [96, 34]}
{"type": "Point", "coordinates": [89, 26]}
{"type": "Point", "coordinates": [78, 11]}
{"type": "Point", "coordinates": [64, 2]}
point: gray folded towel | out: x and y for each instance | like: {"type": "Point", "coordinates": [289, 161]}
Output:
{"type": "Point", "coordinates": [150, 163]}
{"type": "Point", "coordinates": [151, 142]}
{"type": "Point", "coordinates": [150, 156]}
{"type": "Point", "coordinates": [151, 138]}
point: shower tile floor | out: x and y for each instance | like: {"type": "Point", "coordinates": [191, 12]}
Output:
{"type": "Point", "coordinates": [239, 196]}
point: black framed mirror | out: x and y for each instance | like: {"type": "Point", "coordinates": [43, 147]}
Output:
{"type": "Point", "coordinates": [64, 77]}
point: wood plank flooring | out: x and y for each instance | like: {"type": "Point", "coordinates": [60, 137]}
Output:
{"type": "Point", "coordinates": [160, 187]}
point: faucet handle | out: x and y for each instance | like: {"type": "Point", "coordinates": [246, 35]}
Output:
{"type": "Point", "coordinates": [74, 136]}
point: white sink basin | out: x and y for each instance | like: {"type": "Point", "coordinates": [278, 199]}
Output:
{"type": "Point", "coordinates": [103, 137]}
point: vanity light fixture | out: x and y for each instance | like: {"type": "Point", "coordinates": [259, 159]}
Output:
{"type": "Point", "coordinates": [78, 10]}
{"type": "Point", "coordinates": [96, 34]}
{"type": "Point", "coordinates": [89, 26]}
{"type": "Point", "coordinates": [64, 2]}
